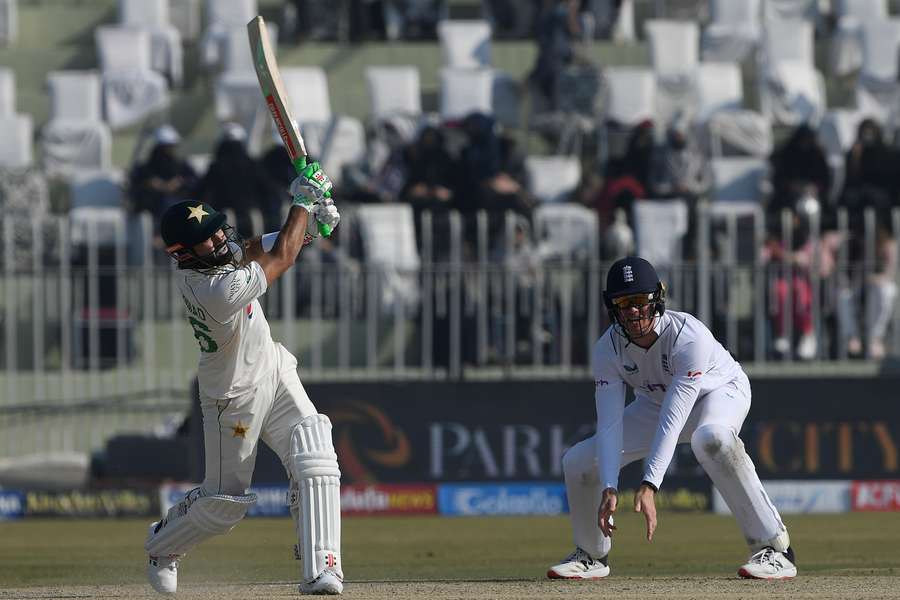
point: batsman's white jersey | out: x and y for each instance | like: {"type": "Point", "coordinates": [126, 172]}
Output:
{"type": "Point", "coordinates": [684, 363]}
{"type": "Point", "coordinates": [236, 347]}
{"type": "Point", "coordinates": [688, 389]}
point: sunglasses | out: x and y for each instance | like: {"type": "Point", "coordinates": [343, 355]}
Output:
{"type": "Point", "coordinates": [630, 300]}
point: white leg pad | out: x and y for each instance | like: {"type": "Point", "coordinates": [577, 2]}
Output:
{"type": "Point", "coordinates": [196, 518]}
{"type": "Point", "coordinates": [315, 470]}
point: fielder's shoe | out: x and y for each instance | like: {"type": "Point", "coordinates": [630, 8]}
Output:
{"type": "Point", "coordinates": [580, 565]}
{"type": "Point", "coordinates": [327, 583]}
{"type": "Point", "coordinates": [768, 563]}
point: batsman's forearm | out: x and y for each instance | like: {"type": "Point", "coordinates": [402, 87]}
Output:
{"type": "Point", "coordinates": [290, 239]}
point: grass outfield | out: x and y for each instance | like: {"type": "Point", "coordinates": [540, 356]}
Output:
{"type": "Point", "coordinates": [692, 556]}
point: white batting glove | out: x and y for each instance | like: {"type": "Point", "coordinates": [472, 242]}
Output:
{"type": "Point", "coordinates": [326, 213]}
{"type": "Point", "coordinates": [312, 186]}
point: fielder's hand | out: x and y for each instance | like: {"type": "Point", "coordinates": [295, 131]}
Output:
{"type": "Point", "coordinates": [644, 502]}
{"type": "Point", "coordinates": [311, 187]}
{"type": "Point", "coordinates": [605, 515]}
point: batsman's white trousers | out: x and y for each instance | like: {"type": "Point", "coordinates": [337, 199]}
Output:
{"type": "Point", "coordinates": [712, 430]}
{"type": "Point", "coordinates": [232, 427]}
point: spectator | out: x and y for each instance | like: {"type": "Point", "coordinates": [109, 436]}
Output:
{"type": "Point", "coordinates": [279, 172]}
{"type": "Point", "coordinates": [678, 169]}
{"type": "Point", "coordinates": [164, 179]}
{"type": "Point", "coordinates": [489, 170]}
{"type": "Point", "coordinates": [234, 180]}
{"type": "Point", "coordinates": [799, 169]}
{"type": "Point", "coordinates": [871, 183]}
{"type": "Point", "coordinates": [429, 170]}
{"type": "Point", "coordinates": [557, 26]}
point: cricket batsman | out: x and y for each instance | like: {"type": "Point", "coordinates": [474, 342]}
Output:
{"type": "Point", "coordinates": [249, 389]}
{"type": "Point", "coordinates": [687, 388]}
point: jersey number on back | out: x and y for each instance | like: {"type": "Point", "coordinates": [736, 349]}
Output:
{"type": "Point", "coordinates": [201, 332]}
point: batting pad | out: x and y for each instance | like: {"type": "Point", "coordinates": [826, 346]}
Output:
{"type": "Point", "coordinates": [194, 519]}
{"type": "Point", "coordinates": [315, 469]}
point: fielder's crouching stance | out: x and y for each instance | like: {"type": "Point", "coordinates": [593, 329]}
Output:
{"type": "Point", "coordinates": [687, 388]}
{"type": "Point", "coordinates": [249, 389]}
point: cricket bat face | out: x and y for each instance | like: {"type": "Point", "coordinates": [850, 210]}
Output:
{"type": "Point", "coordinates": [273, 90]}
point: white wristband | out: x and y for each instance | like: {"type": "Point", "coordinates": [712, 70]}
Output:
{"type": "Point", "coordinates": [268, 241]}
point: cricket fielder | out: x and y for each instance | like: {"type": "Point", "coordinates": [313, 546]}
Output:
{"type": "Point", "coordinates": [249, 389]}
{"type": "Point", "coordinates": [688, 388]}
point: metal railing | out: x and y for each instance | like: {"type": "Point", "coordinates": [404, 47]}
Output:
{"type": "Point", "coordinates": [94, 339]}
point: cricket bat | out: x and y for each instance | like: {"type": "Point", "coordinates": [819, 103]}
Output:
{"type": "Point", "coordinates": [276, 99]}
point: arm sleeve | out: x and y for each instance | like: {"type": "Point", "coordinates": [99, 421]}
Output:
{"type": "Point", "coordinates": [233, 291]}
{"type": "Point", "coordinates": [689, 364]}
{"type": "Point", "coordinates": [609, 396]}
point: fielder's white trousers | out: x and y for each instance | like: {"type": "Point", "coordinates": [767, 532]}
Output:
{"type": "Point", "coordinates": [712, 430]}
{"type": "Point", "coordinates": [232, 427]}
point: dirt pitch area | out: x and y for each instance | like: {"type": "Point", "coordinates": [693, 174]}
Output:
{"type": "Point", "coordinates": [812, 587]}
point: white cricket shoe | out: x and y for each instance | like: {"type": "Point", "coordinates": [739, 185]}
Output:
{"type": "Point", "coordinates": [580, 565]}
{"type": "Point", "coordinates": [327, 583]}
{"type": "Point", "coordinates": [162, 572]}
{"type": "Point", "coordinates": [769, 563]}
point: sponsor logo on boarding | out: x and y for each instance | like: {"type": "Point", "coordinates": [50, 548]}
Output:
{"type": "Point", "coordinates": [875, 496]}
{"type": "Point", "coordinates": [388, 499]}
{"type": "Point", "coordinates": [500, 499]}
{"type": "Point", "coordinates": [12, 505]}
{"type": "Point", "coordinates": [800, 496]}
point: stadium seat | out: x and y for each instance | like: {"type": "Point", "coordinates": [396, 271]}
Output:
{"type": "Point", "coordinates": [790, 10]}
{"type": "Point", "coordinates": [659, 229]}
{"type": "Point", "coordinates": [847, 43]}
{"type": "Point", "coordinates": [674, 54]}
{"type": "Point", "coordinates": [7, 92]}
{"type": "Point", "coordinates": [734, 31]}
{"type": "Point", "coordinates": [15, 141]}
{"type": "Point", "coordinates": [388, 237]}
{"type": "Point", "coordinates": [552, 179]}
{"type": "Point", "coordinates": [877, 89]}
{"type": "Point", "coordinates": [307, 89]}
{"type": "Point", "coordinates": [237, 95]}
{"type": "Point", "coordinates": [131, 89]}
{"type": "Point", "coordinates": [719, 87]}
{"type": "Point", "coordinates": [791, 90]}
{"type": "Point", "coordinates": [738, 184]}
{"type": "Point", "coordinates": [165, 40]}
{"type": "Point", "coordinates": [9, 22]}
{"type": "Point", "coordinates": [465, 91]}
{"type": "Point", "coordinates": [465, 44]}
{"type": "Point", "coordinates": [394, 90]}
{"type": "Point", "coordinates": [631, 95]}
{"type": "Point", "coordinates": [569, 230]}
{"type": "Point", "coordinates": [222, 16]}
{"type": "Point", "coordinates": [75, 138]}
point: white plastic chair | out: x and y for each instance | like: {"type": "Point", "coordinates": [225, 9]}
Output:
{"type": "Point", "coordinates": [222, 15]}
{"type": "Point", "coordinates": [465, 44]}
{"type": "Point", "coordinates": [659, 229]}
{"type": "Point", "coordinates": [388, 237]}
{"type": "Point", "coordinates": [307, 89]}
{"type": "Point", "coordinates": [464, 91]}
{"type": "Point", "coordinates": [165, 39]}
{"type": "Point", "coordinates": [790, 10]}
{"type": "Point", "coordinates": [846, 43]}
{"type": "Point", "coordinates": [131, 89]}
{"type": "Point", "coordinates": [877, 89]}
{"type": "Point", "coordinates": [237, 95]}
{"type": "Point", "coordinates": [719, 87]}
{"type": "Point", "coordinates": [393, 90]}
{"type": "Point", "coordinates": [15, 141]}
{"type": "Point", "coordinates": [75, 138]}
{"type": "Point", "coordinates": [791, 90]}
{"type": "Point", "coordinates": [566, 230]}
{"type": "Point", "coordinates": [733, 32]}
{"type": "Point", "coordinates": [552, 179]}
{"type": "Point", "coordinates": [674, 46]}
{"type": "Point", "coordinates": [738, 183]}
{"type": "Point", "coordinates": [631, 95]}
{"type": "Point", "coordinates": [7, 92]}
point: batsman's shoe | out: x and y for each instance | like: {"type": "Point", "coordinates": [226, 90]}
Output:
{"type": "Point", "coordinates": [769, 563]}
{"type": "Point", "coordinates": [162, 572]}
{"type": "Point", "coordinates": [580, 565]}
{"type": "Point", "coordinates": [328, 583]}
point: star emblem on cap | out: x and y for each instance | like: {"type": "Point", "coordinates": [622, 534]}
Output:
{"type": "Point", "coordinates": [197, 212]}
{"type": "Point", "coordinates": [240, 430]}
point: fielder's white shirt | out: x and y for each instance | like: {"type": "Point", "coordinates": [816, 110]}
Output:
{"type": "Point", "coordinates": [684, 363]}
{"type": "Point", "coordinates": [236, 347]}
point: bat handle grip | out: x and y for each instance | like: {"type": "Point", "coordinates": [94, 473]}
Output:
{"type": "Point", "coordinates": [299, 165]}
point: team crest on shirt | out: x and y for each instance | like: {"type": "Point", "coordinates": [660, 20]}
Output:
{"type": "Point", "coordinates": [630, 368]}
